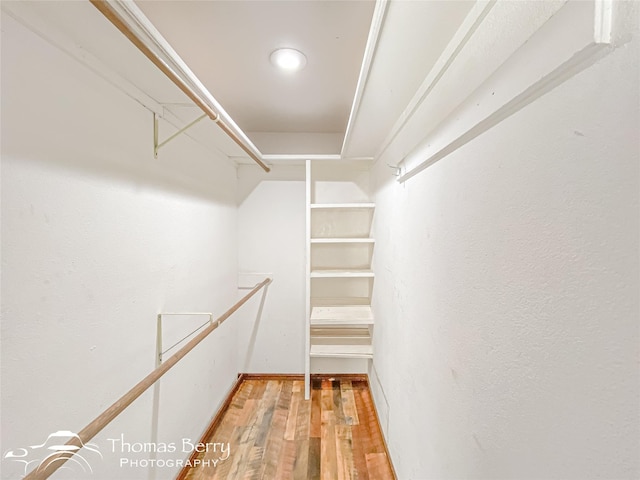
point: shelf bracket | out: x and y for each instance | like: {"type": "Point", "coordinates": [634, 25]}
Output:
{"type": "Point", "coordinates": [157, 146]}
{"type": "Point", "coordinates": [397, 170]}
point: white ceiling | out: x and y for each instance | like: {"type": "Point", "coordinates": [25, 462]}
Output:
{"type": "Point", "coordinates": [227, 45]}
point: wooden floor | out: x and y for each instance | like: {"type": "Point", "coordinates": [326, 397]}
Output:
{"type": "Point", "coordinates": [274, 433]}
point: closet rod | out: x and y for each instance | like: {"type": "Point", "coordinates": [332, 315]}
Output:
{"type": "Point", "coordinates": [111, 15]}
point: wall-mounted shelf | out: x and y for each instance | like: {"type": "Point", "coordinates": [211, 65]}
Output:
{"type": "Point", "coordinates": [341, 315]}
{"type": "Point", "coordinates": [342, 240]}
{"type": "Point", "coordinates": [352, 273]}
{"type": "Point", "coordinates": [356, 206]}
{"type": "Point", "coordinates": [342, 351]}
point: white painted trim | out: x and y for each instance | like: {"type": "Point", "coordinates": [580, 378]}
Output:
{"type": "Point", "coordinates": [342, 351]}
{"type": "Point", "coordinates": [299, 156]}
{"type": "Point", "coordinates": [376, 385]}
{"type": "Point", "coordinates": [352, 273]}
{"type": "Point", "coordinates": [603, 21]}
{"type": "Point", "coordinates": [341, 240]}
{"type": "Point", "coordinates": [551, 56]}
{"type": "Point", "coordinates": [342, 205]}
{"type": "Point", "coordinates": [307, 300]}
{"type": "Point", "coordinates": [372, 42]}
{"type": "Point", "coordinates": [469, 26]}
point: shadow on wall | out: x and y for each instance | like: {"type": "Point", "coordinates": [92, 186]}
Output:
{"type": "Point", "coordinates": [71, 118]}
{"type": "Point", "coordinates": [250, 176]}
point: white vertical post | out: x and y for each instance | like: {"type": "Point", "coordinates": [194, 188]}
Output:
{"type": "Point", "coordinates": [307, 359]}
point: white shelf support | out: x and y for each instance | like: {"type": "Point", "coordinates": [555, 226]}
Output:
{"type": "Point", "coordinates": [307, 317]}
{"type": "Point", "coordinates": [157, 146]}
{"type": "Point", "coordinates": [159, 351]}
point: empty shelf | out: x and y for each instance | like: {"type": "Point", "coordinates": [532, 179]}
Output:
{"type": "Point", "coordinates": [352, 273]}
{"type": "Point", "coordinates": [342, 240]}
{"type": "Point", "coordinates": [342, 315]}
{"type": "Point", "coordinates": [342, 351]}
{"type": "Point", "coordinates": [342, 205]}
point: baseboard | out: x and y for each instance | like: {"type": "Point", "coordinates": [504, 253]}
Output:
{"type": "Point", "coordinates": [215, 422]}
{"type": "Point", "coordinates": [356, 377]}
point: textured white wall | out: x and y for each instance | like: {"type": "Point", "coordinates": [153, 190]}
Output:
{"type": "Point", "coordinates": [506, 293]}
{"type": "Point", "coordinates": [97, 238]}
{"type": "Point", "coordinates": [271, 219]}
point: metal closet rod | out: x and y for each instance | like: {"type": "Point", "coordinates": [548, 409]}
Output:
{"type": "Point", "coordinates": [113, 17]}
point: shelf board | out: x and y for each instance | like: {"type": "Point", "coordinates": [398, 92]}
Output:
{"type": "Point", "coordinates": [342, 351]}
{"type": "Point", "coordinates": [342, 205]}
{"type": "Point", "coordinates": [337, 315]}
{"type": "Point", "coordinates": [339, 301]}
{"type": "Point", "coordinates": [351, 273]}
{"type": "Point", "coordinates": [342, 240]}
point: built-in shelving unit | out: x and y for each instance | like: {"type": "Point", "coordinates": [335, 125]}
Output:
{"type": "Point", "coordinates": [339, 274]}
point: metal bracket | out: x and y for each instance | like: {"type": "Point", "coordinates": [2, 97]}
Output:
{"type": "Point", "coordinates": [397, 170]}
{"type": "Point", "coordinates": [159, 352]}
{"type": "Point", "coordinates": [156, 145]}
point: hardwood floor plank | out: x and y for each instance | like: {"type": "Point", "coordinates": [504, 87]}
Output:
{"type": "Point", "coordinates": [371, 433]}
{"type": "Point", "coordinates": [344, 453]}
{"type": "Point", "coordinates": [258, 389]}
{"type": "Point", "coordinates": [348, 403]}
{"type": "Point", "coordinates": [245, 412]}
{"type": "Point", "coordinates": [252, 471]}
{"type": "Point", "coordinates": [292, 418]}
{"type": "Point", "coordinates": [378, 466]}
{"type": "Point", "coordinates": [301, 462]}
{"type": "Point", "coordinates": [328, 460]}
{"type": "Point", "coordinates": [275, 437]}
{"type": "Point", "coordinates": [287, 461]}
{"type": "Point", "coordinates": [303, 422]}
{"type": "Point", "coordinates": [242, 395]}
{"type": "Point", "coordinates": [242, 453]}
{"type": "Point", "coordinates": [314, 459]}
{"type": "Point", "coordinates": [275, 434]}
{"type": "Point", "coordinates": [316, 408]}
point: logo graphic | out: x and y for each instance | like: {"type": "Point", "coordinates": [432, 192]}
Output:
{"type": "Point", "coordinates": [55, 445]}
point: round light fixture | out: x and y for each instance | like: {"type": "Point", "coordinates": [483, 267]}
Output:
{"type": "Point", "coordinates": [288, 59]}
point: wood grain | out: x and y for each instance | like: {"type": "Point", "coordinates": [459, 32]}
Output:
{"type": "Point", "coordinates": [274, 433]}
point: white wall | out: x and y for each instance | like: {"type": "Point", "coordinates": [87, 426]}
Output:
{"type": "Point", "coordinates": [97, 238]}
{"type": "Point", "coordinates": [506, 293]}
{"type": "Point", "coordinates": [271, 236]}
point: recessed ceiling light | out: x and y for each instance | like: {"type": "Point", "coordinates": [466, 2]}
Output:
{"type": "Point", "coordinates": [288, 59]}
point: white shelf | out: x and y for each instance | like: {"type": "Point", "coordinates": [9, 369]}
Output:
{"type": "Point", "coordinates": [342, 240]}
{"type": "Point", "coordinates": [342, 351]}
{"type": "Point", "coordinates": [342, 205]}
{"type": "Point", "coordinates": [337, 315]}
{"type": "Point", "coordinates": [351, 273]}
